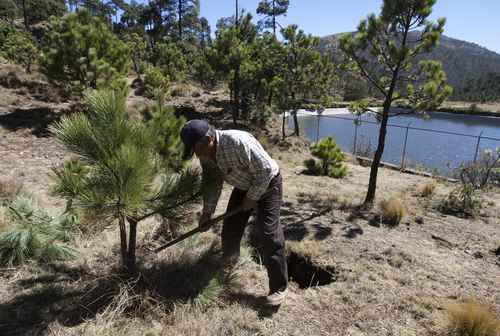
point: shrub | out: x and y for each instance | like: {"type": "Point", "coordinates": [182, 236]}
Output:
{"type": "Point", "coordinates": [484, 172]}
{"type": "Point", "coordinates": [18, 46]}
{"type": "Point", "coordinates": [34, 234]}
{"type": "Point", "coordinates": [155, 82]}
{"type": "Point", "coordinates": [331, 157]}
{"type": "Point", "coordinates": [472, 318]}
{"type": "Point", "coordinates": [462, 201]}
{"type": "Point", "coordinates": [80, 51]}
{"type": "Point", "coordinates": [428, 189]}
{"type": "Point", "coordinates": [9, 189]}
{"type": "Point", "coordinates": [392, 211]}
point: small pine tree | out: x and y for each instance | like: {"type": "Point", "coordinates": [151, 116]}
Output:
{"type": "Point", "coordinates": [331, 157]}
{"type": "Point", "coordinates": [35, 235]}
{"type": "Point", "coordinates": [80, 50]}
{"type": "Point", "coordinates": [127, 176]}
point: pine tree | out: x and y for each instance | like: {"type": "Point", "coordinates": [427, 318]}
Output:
{"type": "Point", "coordinates": [35, 11]}
{"type": "Point", "coordinates": [82, 52]}
{"type": "Point", "coordinates": [18, 46]}
{"type": "Point", "coordinates": [331, 157]}
{"type": "Point", "coordinates": [188, 22]}
{"type": "Point", "coordinates": [383, 51]}
{"type": "Point", "coordinates": [127, 176]}
{"type": "Point", "coordinates": [8, 10]}
{"type": "Point", "coordinates": [137, 46]}
{"type": "Point", "coordinates": [304, 73]}
{"type": "Point", "coordinates": [271, 9]}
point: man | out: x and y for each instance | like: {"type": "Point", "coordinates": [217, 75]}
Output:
{"type": "Point", "coordinates": [238, 158]}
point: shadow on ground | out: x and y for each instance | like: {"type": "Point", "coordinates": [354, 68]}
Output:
{"type": "Point", "coordinates": [72, 295]}
{"type": "Point", "coordinates": [36, 119]}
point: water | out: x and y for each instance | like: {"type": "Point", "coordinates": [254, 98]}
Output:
{"type": "Point", "coordinates": [432, 151]}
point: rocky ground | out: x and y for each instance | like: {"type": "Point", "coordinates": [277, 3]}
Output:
{"type": "Point", "coordinates": [371, 279]}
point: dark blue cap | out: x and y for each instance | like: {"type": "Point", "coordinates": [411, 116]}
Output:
{"type": "Point", "coordinates": [191, 133]}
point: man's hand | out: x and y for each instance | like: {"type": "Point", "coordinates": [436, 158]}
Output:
{"type": "Point", "coordinates": [205, 222]}
{"type": "Point", "coordinates": [248, 204]}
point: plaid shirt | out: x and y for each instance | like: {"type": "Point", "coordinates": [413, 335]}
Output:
{"type": "Point", "coordinates": [240, 161]}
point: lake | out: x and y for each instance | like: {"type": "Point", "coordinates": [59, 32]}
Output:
{"type": "Point", "coordinates": [426, 149]}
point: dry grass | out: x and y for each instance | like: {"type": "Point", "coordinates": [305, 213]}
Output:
{"type": "Point", "coordinates": [472, 318]}
{"type": "Point", "coordinates": [184, 90]}
{"type": "Point", "coordinates": [428, 189]}
{"type": "Point", "coordinates": [392, 211]}
{"type": "Point", "coordinates": [9, 189]}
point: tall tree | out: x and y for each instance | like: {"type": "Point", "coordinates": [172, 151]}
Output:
{"type": "Point", "coordinates": [188, 12]}
{"type": "Point", "coordinates": [383, 50]}
{"type": "Point", "coordinates": [304, 73]}
{"type": "Point", "coordinates": [270, 10]}
{"type": "Point", "coordinates": [35, 11]}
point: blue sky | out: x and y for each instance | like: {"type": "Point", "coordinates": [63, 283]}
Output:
{"type": "Point", "coordinates": [474, 21]}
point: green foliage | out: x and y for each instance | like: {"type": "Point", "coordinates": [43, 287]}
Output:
{"type": "Point", "coordinates": [126, 175]}
{"type": "Point", "coordinates": [202, 71]}
{"type": "Point", "coordinates": [137, 46]}
{"type": "Point", "coordinates": [383, 50]}
{"type": "Point", "coordinates": [17, 46]}
{"type": "Point", "coordinates": [34, 234]}
{"type": "Point", "coordinates": [81, 51]}
{"type": "Point", "coordinates": [304, 73]}
{"type": "Point", "coordinates": [35, 11]}
{"type": "Point", "coordinates": [481, 89]}
{"type": "Point", "coordinates": [155, 82]}
{"type": "Point", "coordinates": [8, 10]}
{"type": "Point", "coordinates": [164, 123]}
{"type": "Point", "coordinates": [331, 157]}
{"type": "Point", "coordinates": [270, 10]}
{"type": "Point", "coordinates": [170, 59]}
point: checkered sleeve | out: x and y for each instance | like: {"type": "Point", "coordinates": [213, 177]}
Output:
{"type": "Point", "coordinates": [260, 169]}
{"type": "Point", "coordinates": [212, 182]}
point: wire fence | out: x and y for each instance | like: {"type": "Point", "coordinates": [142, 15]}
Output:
{"type": "Point", "coordinates": [429, 149]}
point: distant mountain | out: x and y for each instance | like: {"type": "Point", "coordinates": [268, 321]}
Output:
{"type": "Point", "coordinates": [461, 60]}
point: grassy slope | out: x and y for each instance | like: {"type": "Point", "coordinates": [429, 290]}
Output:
{"type": "Point", "coordinates": [390, 281]}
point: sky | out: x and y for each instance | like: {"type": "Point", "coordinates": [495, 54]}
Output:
{"type": "Point", "coordinates": [474, 21]}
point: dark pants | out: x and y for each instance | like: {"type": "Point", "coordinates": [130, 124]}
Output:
{"type": "Point", "coordinates": [270, 231]}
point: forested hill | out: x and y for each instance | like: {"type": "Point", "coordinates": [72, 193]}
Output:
{"type": "Point", "coordinates": [462, 60]}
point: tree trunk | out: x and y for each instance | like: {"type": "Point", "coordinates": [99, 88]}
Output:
{"type": "Point", "coordinates": [180, 19]}
{"type": "Point", "coordinates": [237, 14]}
{"type": "Point", "coordinates": [25, 15]}
{"type": "Point", "coordinates": [372, 185]}
{"type": "Point", "coordinates": [283, 126]}
{"type": "Point", "coordinates": [296, 123]}
{"type": "Point", "coordinates": [131, 245]}
{"type": "Point", "coordinates": [274, 20]}
{"type": "Point", "coordinates": [123, 240]}
{"type": "Point", "coordinates": [236, 92]}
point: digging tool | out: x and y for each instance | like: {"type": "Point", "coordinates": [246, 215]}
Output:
{"type": "Point", "coordinates": [197, 230]}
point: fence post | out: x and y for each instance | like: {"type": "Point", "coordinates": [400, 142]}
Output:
{"type": "Point", "coordinates": [477, 145]}
{"type": "Point", "coordinates": [356, 124]}
{"type": "Point", "coordinates": [403, 156]}
{"type": "Point", "coordinates": [318, 116]}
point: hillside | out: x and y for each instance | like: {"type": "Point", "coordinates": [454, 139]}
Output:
{"type": "Point", "coordinates": [350, 273]}
{"type": "Point", "coordinates": [461, 59]}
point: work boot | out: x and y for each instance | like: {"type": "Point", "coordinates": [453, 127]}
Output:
{"type": "Point", "coordinates": [276, 298]}
{"type": "Point", "coordinates": [228, 268]}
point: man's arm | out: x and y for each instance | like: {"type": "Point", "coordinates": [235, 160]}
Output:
{"type": "Point", "coordinates": [212, 182]}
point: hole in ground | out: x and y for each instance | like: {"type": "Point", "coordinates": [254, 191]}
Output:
{"type": "Point", "coordinates": [302, 271]}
